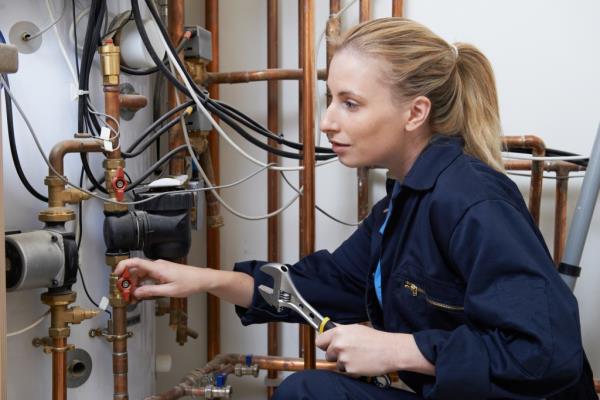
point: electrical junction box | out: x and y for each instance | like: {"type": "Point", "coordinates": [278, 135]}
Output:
{"type": "Point", "coordinates": [197, 121]}
{"type": "Point", "coordinates": [199, 45]}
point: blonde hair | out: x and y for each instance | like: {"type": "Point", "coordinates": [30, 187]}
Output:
{"type": "Point", "coordinates": [457, 79]}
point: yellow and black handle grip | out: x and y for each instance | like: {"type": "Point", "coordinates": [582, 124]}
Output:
{"type": "Point", "coordinates": [326, 324]}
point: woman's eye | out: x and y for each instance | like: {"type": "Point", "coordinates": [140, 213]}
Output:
{"type": "Point", "coordinates": [350, 104]}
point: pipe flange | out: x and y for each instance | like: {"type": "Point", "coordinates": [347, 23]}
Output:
{"type": "Point", "coordinates": [63, 299]}
{"type": "Point", "coordinates": [79, 367]}
{"type": "Point", "coordinates": [56, 214]}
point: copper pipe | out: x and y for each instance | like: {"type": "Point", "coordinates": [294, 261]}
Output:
{"type": "Point", "coordinates": [307, 200]}
{"type": "Point", "coordinates": [112, 107]}
{"type": "Point", "coordinates": [213, 239]}
{"type": "Point", "coordinates": [269, 74]}
{"type": "Point", "coordinates": [133, 102]}
{"type": "Point", "coordinates": [59, 369]}
{"type": "Point", "coordinates": [289, 364]}
{"type": "Point", "coordinates": [334, 26]}
{"type": "Point", "coordinates": [272, 176]}
{"type": "Point", "coordinates": [397, 8]}
{"type": "Point", "coordinates": [175, 27]}
{"type": "Point", "coordinates": [538, 148]}
{"type": "Point", "coordinates": [560, 212]}
{"type": "Point", "coordinates": [597, 386]}
{"type": "Point", "coordinates": [59, 150]}
{"type": "Point", "coordinates": [362, 173]}
{"type": "Point", "coordinates": [301, 217]}
{"type": "Point", "coordinates": [120, 368]}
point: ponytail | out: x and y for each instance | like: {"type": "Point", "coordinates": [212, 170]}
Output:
{"type": "Point", "coordinates": [457, 79]}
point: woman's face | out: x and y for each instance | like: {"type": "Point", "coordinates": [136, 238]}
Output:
{"type": "Point", "coordinates": [365, 124]}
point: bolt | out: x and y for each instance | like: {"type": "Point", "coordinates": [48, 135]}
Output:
{"type": "Point", "coordinates": [120, 184]}
{"type": "Point", "coordinates": [54, 238]}
{"type": "Point", "coordinates": [54, 282]}
{"type": "Point", "coordinates": [125, 284]}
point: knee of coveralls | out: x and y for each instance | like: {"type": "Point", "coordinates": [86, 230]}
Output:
{"type": "Point", "coordinates": [328, 385]}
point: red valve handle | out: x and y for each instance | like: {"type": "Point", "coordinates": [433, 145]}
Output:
{"type": "Point", "coordinates": [119, 184]}
{"type": "Point", "coordinates": [126, 286]}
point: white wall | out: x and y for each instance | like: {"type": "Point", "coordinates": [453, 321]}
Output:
{"type": "Point", "coordinates": [545, 63]}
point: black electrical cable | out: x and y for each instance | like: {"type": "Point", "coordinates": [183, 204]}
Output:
{"type": "Point", "coordinates": [240, 117]}
{"type": "Point", "coordinates": [151, 70]}
{"type": "Point", "coordinates": [147, 143]}
{"type": "Point", "coordinates": [158, 122]}
{"type": "Point", "coordinates": [75, 37]}
{"type": "Point", "coordinates": [156, 165]}
{"type": "Point", "coordinates": [13, 147]}
{"type": "Point", "coordinates": [96, 184]}
{"type": "Point", "coordinates": [209, 104]}
{"type": "Point", "coordinates": [552, 153]}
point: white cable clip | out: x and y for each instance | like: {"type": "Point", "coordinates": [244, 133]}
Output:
{"type": "Point", "coordinates": [76, 93]}
{"type": "Point", "coordinates": [105, 136]}
{"type": "Point", "coordinates": [104, 302]}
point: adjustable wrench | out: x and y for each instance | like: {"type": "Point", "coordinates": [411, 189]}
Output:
{"type": "Point", "coordinates": [284, 294]}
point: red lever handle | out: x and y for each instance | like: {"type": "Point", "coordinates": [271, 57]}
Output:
{"type": "Point", "coordinates": [119, 184]}
{"type": "Point", "coordinates": [126, 286]}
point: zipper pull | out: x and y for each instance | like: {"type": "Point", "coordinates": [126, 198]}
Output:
{"type": "Point", "coordinates": [412, 287]}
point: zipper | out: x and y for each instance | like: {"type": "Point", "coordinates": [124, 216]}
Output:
{"type": "Point", "coordinates": [415, 291]}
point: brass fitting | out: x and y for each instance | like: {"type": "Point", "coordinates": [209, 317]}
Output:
{"type": "Point", "coordinates": [215, 392]}
{"type": "Point", "coordinates": [197, 70]}
{"type": "Point", "coordinates": [58, 197]}
{"type": "Point", "coordinates": [110, 62]}
{"type": "Point", "coordinates": [112, 260]}
{"type": "Point", "coordinates": [61, 315]}
{"type": "Point", "coordinates": [116, 298]}
{"type": "Point", "coordinates": [241, 370]}
{"type": "Point", "coordinates": [111, 165]}
{"type": "Point", "coordinates": [199, 141]}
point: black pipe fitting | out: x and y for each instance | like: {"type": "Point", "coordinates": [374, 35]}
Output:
{"type": "Point", "coordinates": [160, 227]}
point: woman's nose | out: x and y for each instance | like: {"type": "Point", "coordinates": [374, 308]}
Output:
{"type": "Point", "coordinates": [327, 123]}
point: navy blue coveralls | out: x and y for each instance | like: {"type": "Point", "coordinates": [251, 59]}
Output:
{"type": "Point", "coordinates": [464, 269]}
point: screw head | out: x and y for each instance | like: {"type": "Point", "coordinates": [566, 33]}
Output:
{"type": "Point", "coordinates": [54, 238]}
{"type": "Point", "coordinates": [125, 284]}
{"type": "Point", "coordinates": [54, 282]}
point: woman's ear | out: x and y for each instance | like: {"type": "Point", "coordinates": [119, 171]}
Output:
{"type": "Point", "coordinates": [419, 110]}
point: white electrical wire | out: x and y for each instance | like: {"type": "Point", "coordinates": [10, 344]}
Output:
{"type": "Point", "coordinates": [519, 156]}
{"type": "Point", "coordinates": [29, 37]}
{"type": "Point", "coordinates": [205, 177]}
{"type": "Point", "coordinates": [215, 125]}
{"type": "Point", "coordinates": [58, 37]}
{"type": "Point", "coordinates": [525, 174]}
{"type": "Point", "coordinates": [67, 182]}
{"type": "Point", "coordinates": [36, 323]}
{"type": "Point", "coordinates": [353, 224]}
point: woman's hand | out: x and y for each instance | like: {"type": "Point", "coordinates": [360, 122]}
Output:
{"type": "Point", "coordinates": [362, 350]}
{"type": "Point", "coordinates": [172, 280]}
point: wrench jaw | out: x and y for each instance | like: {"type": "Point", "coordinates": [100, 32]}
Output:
{"type": "Point", "coordinates": [285, 295]}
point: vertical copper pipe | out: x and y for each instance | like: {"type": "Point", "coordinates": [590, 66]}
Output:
{"type": "Point", "coordinates": [307, 200]}
{"type": "Point", "coordinates": [560, 213]}
{"type": "Point", "coordinates": [537, 180]}
{"type": "Point", "coordinates": [300, 139]}
{"type": "Point", "coordinates": [112, 107]}
{"type": "Point", "coordinates": [397, 8]}
{"type": "Point", "coordinates": [333, 30]}
{"type": "Point", "coordinates": [213, 244]}
{"type": "Point", "coordinates": [176, 164]}
{"type": "Point", "coordinates": [120, 361]}
{"type": "Point", "coordinates": [362, 173]}
{"type": "Point", "coordinates": [59, 369]}
{"type": "Point", "coordinates": [175, 27]}
{"type": "Point", "coordinates": [272, 176]}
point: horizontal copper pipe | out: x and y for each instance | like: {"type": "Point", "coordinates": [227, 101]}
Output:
{"type": "Point", "coordinates": [550, 166]}
{"type": "Point", "coordinates": [57, 154]}
{"type": "Point", "coordinates": [133, 102]}
{"type": "Point", "coordinates": [524, 142]}
{"type": "Point", "coordinates": [272, 74]}
{"type": "Point", "coordinates": [289, 364]}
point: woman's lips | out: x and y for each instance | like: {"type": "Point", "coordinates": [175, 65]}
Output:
{"type": "Point", "coordinates": [339, 147]}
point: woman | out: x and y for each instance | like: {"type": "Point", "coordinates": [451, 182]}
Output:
{"type": "Point", "coordinates": [449, 268]}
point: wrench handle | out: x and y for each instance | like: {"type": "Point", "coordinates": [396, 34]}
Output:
{"type": "Point", "coordinates": [326, 325]}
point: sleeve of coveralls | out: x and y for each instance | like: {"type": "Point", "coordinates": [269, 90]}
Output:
{"type": "Point", "coordinates": [522, 336]}
{"type": "Point", "coordinates": [333, 283]}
